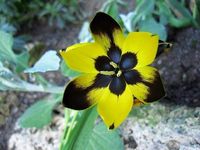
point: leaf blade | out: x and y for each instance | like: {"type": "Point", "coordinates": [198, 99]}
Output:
{"type": "Point", "coordinates": [39, 114]}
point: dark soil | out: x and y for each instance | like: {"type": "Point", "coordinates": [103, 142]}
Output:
{"type": "Point", "coordinates": [16, 104]}
{"type": "Point", "coordinates": [180, 68]}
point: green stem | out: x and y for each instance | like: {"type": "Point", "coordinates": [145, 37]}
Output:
{"type": "Point", "coordinates": [67, 131]}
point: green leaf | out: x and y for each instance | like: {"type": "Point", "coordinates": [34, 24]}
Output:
{"type": "Point", "coordinates": [196, 12]}
{"type": "Point", "coordinates": [103, 139]}
{"type": "Point", "coordinates": [182, 17]}
{"type": "Point", "coordinates": [143, 9]}
{"type": "Point", "coordinates": [150, 25]}
{"type": "Point", "coordinates": [84, 34]}
{"type": "Point", "coordinates": [35, 53]}
{"type": "Point", "coordinates": [164, 12]}
{"type": "Point", "coordinates": [127, 20]}
{"type": "Point", "coordinates": [86, 136]}
{"type": "Point", "coordinates": [79, 136]}
{"type": "Point", "coordinates": [48, 62]}
{"type": "Point", "coordinates": [23, 63]}
{"type": "Point", "coordinates": [6, 43]}
{"type": "Point", "coordinates": [66, 71]}
{"type": "Point", "coordinates": [113, 10]}
{"type": "Point", "coordinates": [10, 81]}
{"type": "Point", "coordinates": [39, 114]}
{"type": "Point", "coordinates": [20, 42]}
{"type": "Point", "coordinates": [179, 9]}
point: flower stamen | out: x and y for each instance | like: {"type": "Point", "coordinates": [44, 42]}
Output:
{"type": "Point", "coordinates": [113, 64]}
{"type": "Point", "coordinates": [119, 73]}
{"type": "Point", "coordinates": [109, 73]}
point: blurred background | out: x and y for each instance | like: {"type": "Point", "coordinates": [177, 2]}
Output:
{"type": "Point", "coordinates": [32, 75]}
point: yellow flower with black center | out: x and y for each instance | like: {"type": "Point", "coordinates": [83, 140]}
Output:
{"type": "Point", "coordinates": [116, 75]}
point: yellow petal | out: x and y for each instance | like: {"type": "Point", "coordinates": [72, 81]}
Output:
{"type": "Point", "coordinates": [85, 90]}
{"type": "Point", "coordinates": [81, 57]}
{"type": "Point", "coordinates": [114, 109]}
{"type": "Point", "coordinates": [106, 31]}
{"type": "Point", "coordinates": [144, 45]}
{"type": "Point", "coordinates": [151, 87]}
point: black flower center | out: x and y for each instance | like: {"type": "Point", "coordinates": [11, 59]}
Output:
{"type": "Point", "coordinates": [116, 70]}
{"type": "Point", "coordinates": [120, 67]}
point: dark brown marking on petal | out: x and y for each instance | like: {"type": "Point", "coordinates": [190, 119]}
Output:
{"type": "Point", "coordinates": [156, 89]}
{"type": "Point", "coordinates": [101, 81]}
{"type": "Point", "coordinates": [104, 24]}
{"type": "Point", "coordinates": [117, 85]}
{"type": "Point", "coordinates": [102, 63]}
{"type": "Point", "coordinates": [112, 126]}
{"type": "Point", "coordinates": [132, 77]}
{"type": "Point", "coordinates": [128, 61]}
{"type": "Point", "coordinates": [75, 97]}
{"type": "Point", "coordinates": [114, 53]}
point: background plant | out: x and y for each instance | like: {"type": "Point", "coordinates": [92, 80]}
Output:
{"type": "Point", "coordinates": [16, 13]}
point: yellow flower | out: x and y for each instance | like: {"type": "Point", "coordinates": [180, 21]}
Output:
{"type": "Point", "coordinates": [116, 72]}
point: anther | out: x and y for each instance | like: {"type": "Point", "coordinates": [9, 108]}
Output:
{"type": "Point", "coordinates": [119, 73]}
{"type": "Point", "coordinates": [107, 72]}
{"type": "Point", "coordinates": [113, 64]}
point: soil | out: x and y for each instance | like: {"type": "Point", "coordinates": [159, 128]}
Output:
{"type": "Point", "coordinates": [179, 69]}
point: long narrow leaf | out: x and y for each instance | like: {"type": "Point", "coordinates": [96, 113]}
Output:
{"type": "Point", "coordinates": [79, 135]}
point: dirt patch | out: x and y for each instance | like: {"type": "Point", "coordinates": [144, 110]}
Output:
{"type": "Point", "coordinates": [180, 68]}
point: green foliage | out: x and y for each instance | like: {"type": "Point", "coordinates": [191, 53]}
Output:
{"type": "Point", "coordinates": [153, 16]}
{"type": "Point", "coordinates": [18, 62]}
{"type": "Point", "coordinates": [103, 139]}
{"type": "Point", "coordinates": [58, 12]}
{"type": "Point", "coordinates": [151, 25]}
{"type": "Point", "coordinates": [18, 12]}
{"type": "Point", "coordinates": [196, 12]}
{"type": "Point", "coordinates": [13, 64]}
{"type": "Point", "coordinates": [48, 62]}
{"type": "Point", "coordinates": [6, 43]}
{"type": "Point", "coordinates": [84, 34]}
{"type": "Point", "coordinates": [111, 7]}
{"type": "Point", "coordinates": [179, 15]}
{"type": "Point", "coordinates": [10, 81]}
{"type": "Point", "coordinates": [85, 134]}
{"type": "Point", "coordinates": [79, 130]}
{"type": "Point", "coordinates": [40, 113]}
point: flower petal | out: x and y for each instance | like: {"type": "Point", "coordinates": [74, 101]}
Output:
{"type": "Point", "coordinates": [81, 57]}
{"type": "Point", "coordinates": [144, 45]}
{"type": "Point", "coordinates": [84, 91]}
{"type": "Point", "coordinates": [114, 109]}
{"type": "Point", "coordinates": [117, 85]}
{"type": "Point", "coordinates": [150, 88]}
{"type": "Point", "coordinates": [106, 31]}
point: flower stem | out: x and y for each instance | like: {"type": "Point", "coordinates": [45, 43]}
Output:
{"type": "Point", "coordinates": [68, 130]}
